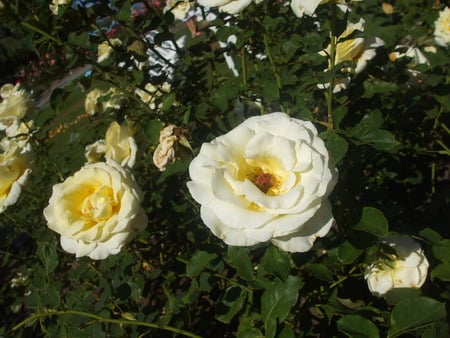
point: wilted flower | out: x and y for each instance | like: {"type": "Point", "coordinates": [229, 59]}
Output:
{"type": "Point", "coordinates": [442, 28]}
{"type": "Point", "coordinates": [407, 268]}
{"type": "Point", "coordinates": [358, 50]}
{"type": "Point", "coordinates": [308, 7]}
{"type": "Point", "coordinates": [105, 49]}
{"type": "Point", "coordinates": [15, 103]}
{"type": "Point", "coordinates": [151, 92]}
{"type": "Point", "coordinates": [97, 210]}
{"type": "Point", "coordinates": [268, 179]}
{"type": "Point", "coordinates": [15, 163]}
{"type": "Point", "coordinates": [179, 9]}
{"type": "Point", "coordinates": [165, 151]}
{"type": "Point", "coordinates": [98, 101]}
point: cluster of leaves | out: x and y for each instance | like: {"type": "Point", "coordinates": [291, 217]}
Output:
{"type": "Point", "coordinates": [388, 141]}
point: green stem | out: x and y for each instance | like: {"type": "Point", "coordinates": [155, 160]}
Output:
{"type": "Point", "coordinates": [243, 63]}
{"type": "Point", "coordinates": [104, 320]}
{"type": "Point", "coordinates": [269, 55]}
{"type": "Point", "coordinates": [333, 39]}
{"type": "Point", "coordinates": [40, 31]}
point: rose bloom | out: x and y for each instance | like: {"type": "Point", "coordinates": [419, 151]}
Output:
{"type": "Point", "coordinates": [227, 6]}
{"type": "Point", "coordinates": [358, 50]}
{"type": "Point", "coordinates": [308, 7]}
{"type": "Point", "coordinates": [442, 28]}
{"type": "Point", "coordinates": [415, 57]}
{"type": "Point", "coordinates": [14, 104]}
{"type": "Point", "coordinates": [15, 163]}
{"type": "Point", "coordinates": [54, 6]}
{"type": "Point", "coordinates": [268, 179]}
{"type": "Point", "coordinates": [97, 101]}
{"type": "Point", "coordinates": [407, 269]}
{"type": "Point", "coordinates": [97, 210]}
{"type": "Point", "coordinates": [105, 49]}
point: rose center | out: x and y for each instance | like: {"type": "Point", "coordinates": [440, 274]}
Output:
{"type": "Point", "coordinates": [99, 205]}
{"type": "Point", "coordinates": [265, 181]}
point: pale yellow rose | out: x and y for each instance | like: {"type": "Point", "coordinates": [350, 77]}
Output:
{"type": "Point", "coordinates": [105, 49]}
{"type": "Point", "coordinates": [97, 101]}
{"type": "Point", "coordinates": [151, 92]}
{"type": "Point", "coordinates": [94, 152]}
{"type": "Point", "coordinates": [442, 28]}
{"type": "Point", "coordinates": [179, 9]}
{"type": "Point", "coordinates": [120, 145]}
{"type": "Point", "coordinates": [15, 103]}
{"type": "Point", "coordinates": [54, 6]}
{"type": "Point", "coordinates": [165, 151]}
{"type": "Point", "coordinates": [15, 163]}
{"type": "Point", "coordinates": [19, 132]}
{"type": "Point", "coordinates": [97, 210]}
{"type": "Point", "coordinates": [407, 268]}
{"type": "Point", "coordinates": [268, 179]}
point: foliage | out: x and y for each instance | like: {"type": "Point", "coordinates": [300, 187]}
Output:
{"type": "Point", "coordinates": [387, 133]}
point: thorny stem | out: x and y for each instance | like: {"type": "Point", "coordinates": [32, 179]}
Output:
{"type": "Point", "coordinates": [49, 312]}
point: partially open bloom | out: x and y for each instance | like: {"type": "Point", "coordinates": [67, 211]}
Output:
{"type": "Point", "coordinates": [442, 28]}
{"type": "Point", "coordinates": [227, 6]}
{"type": "Point", "coordinates": [268, 179]}
{"type": "Point", "coordinates": [97, 101]}
{"type": "Point", "coordinates": [97, 210]}
{"type": "Point", "coordinates": [14, 104]}
{"type": "Point", "coordinates": [15, 163]}
{"type": "Point", "coordinates": [308, 7]}
{"type": "Point", "coordinates": [119, 145]}
{"type": "Point", "coordinates": [105, 49]}
{"type": "Point", "coordinates": [358, 50]}
{"type": "Point", "coordinates": [407, 268]}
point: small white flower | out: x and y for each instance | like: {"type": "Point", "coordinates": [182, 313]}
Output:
{"type": "Point", "coordinates": [14, 104]}
{"type": "Point", "coordinates": [407, 269]}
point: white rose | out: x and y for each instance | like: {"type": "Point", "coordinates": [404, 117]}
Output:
{"type": "Point", "coordinates": [358, 50]}
{"type": "Point", "coordinates": [15, 169]}
{"type": "Point", "coordinates": [227, 6]}
{"type": "Point", "coordinates": [98, 101]}
{"type": "Point", "coordinates": [105, 49]}
{"type": "Point", "coordinates": [408, 268]}
{"type": "Point", "coordinates": [442, 28]}
{"type": "Point", "coordinates": [120, 145]}
{"type": "Point", "coordinates": [14, 104]}
{"type": "Point", "coordinates": [308, 7]}
{"type": "Point", "coordinates": [268, 179]}
{"type": "Point", "coordinates": [97, 210]}
{"type": "Point", "coordinates": [416, 58]}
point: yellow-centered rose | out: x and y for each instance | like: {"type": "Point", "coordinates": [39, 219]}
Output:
{"type": "Point", "coordinates": [97, 210]}
{"type": "Point", "coordinates": [268, 179]}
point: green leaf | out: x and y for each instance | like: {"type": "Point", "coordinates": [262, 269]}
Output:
{"type": "Point", "coordinates": [199, 261]}
{"type": "Point", "coordinates": [337, 146]}
{"type": "Point", "coordinates": [356, 326]}
{"type": "Point", "coordinates": [442, 250]}
{"type": "Point", "coordinates": [275, 262]}
{"type": "Point", "coordinates": [372, 88]}
{"type": "Point", "coordinates": [442, 272]}
{"type": "Point", "coordinates": [239, 258]}
{"type": "Point", "coordinates": [373, 221]}
{"type": "Point", "coordinates": [277, 301]}
{"type": "Point", "coordinates": [46, 252]}
{"type": "Point", "coordinates": [347, 253]}
{"type": "Point", "coordinates": [232, 301]}
{"type": "Point", "coordinates": [414, 313]}
{"type": "Point", "coordinates": [320, 271]}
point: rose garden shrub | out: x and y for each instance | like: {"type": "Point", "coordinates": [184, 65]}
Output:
{"type": "Point", "coordinates": [225, 169]}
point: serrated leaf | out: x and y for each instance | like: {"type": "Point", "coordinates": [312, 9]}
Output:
{"type": "Point", "coordinates": [275, 262]}
{"type": "Point", "coordinates": [411, 314]}
{"type": "Point", "coordinates": [199, 261]}
{"type": "Point", "coordinates": [239, 258]}
{"type": "Point", "coordinates": [442, 272]}
{"type": "Point", "coordinates": [232, 301]}
{"type": "Point", "coordinates": [347, 253]}
{"type": "Point", "coordinates": [337, 146]}
{"type": "Point", "coordinates": [373, 221]}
